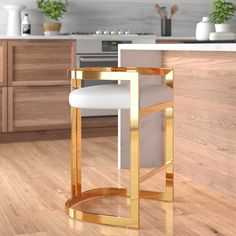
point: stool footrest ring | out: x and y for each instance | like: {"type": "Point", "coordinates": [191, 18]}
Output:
{"type": "Point", "coordinates": [110, 219]}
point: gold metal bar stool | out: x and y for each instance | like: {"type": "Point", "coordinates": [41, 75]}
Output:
{"type": "Point", "coordinates": [131, 100]}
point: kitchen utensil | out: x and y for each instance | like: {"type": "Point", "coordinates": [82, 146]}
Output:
{"type": "Point", "coordinates": [174, 9]}
{"type": "Point", "coordinates": [159, 10]}
{"type": "Point", "coordinates": [164, 12]}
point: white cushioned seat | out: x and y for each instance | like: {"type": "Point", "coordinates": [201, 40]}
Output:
{"type": "Point", "coordinates": [115, 96]}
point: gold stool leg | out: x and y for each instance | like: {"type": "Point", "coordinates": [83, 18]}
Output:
{"type": "Point", "coordinates": [169, 194]}
{"type": "Point", "coordinates": [76, 153]}
{"type": "Point", "coordinates": [135, 153]}
{"type": "Point", "coordinates": [76, 146]}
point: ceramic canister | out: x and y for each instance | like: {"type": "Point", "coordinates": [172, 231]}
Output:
{"type": "Point", "coordinates": [203, 29]}
{"type": "Point", "coordinates": [14, 19]}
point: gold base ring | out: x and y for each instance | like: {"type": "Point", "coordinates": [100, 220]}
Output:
{"type": "Point", "coordinates": [109, 219]}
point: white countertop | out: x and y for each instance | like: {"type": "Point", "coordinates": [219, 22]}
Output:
{"type": "Point", "coordinates": [229, 47]}
{"type": "Point", "coordinates": [37, 37]}
{"type": "Point", "coordinates": [78, 37]}
{"type": "Point", "coordinates": [182, 38]}
{"type": "Point", "coordinates": [110, 37]}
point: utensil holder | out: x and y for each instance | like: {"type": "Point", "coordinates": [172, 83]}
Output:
{"type": "Point", "coordinates": [166, 27]}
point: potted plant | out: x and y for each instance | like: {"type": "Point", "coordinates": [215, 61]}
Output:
{"type": "Point", "coordinates": [54, 10]}
{"type": "Point", "coordinates": [222, 12]}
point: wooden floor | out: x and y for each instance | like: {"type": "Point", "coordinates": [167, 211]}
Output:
{"type": "Point", "coordinates": [35, 183]}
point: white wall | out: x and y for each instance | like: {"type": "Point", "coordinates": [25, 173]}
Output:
{"type": "Point", "coordinates": [136, 15]}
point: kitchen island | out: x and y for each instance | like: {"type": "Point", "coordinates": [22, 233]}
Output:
{"type": "Point", "coordinates": [205, 110]}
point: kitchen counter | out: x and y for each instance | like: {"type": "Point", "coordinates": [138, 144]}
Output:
{"type": "Point", "coordinates": [78, 37]}
{"type": "Point", "coordinates": [205, 110]}
{"type": "Point", "coordinates": [231, 47]}
{"type": "Point", "coordinates": [175, 38]}
{"type": "Point", "coordinates": [39, 37]}
{"type": "Point", "coordinates": [112, 37]}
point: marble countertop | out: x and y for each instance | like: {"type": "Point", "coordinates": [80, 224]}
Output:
{"type": "Point", "coordinates": [184, 38]}
{"type": "Point", "coordinates": [229, 47]}
{"type": "Point", "coordinates": [174, 47]}
{"type": "Point", "coordinates": [37, 37]}
{"type": "Point", "coordinates": [114, 37]}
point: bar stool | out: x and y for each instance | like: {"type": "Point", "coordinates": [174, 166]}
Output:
{"type": "Point", "coordinates": [140, 103]}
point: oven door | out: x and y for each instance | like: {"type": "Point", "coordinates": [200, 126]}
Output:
{"type": "Point", "coordinates": [97, 60]}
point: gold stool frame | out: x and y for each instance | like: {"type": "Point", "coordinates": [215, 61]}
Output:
{"type": "Point", "coordinates": [134, 192]}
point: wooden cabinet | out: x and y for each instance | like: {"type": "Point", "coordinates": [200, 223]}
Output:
{"type": "Point", "coordinates": [42, 62]}
{"type": "Point", "coordinates": [34, 87]}
{"type": "Point", "coordinates": [3, 63]}
{"type": "Point", "coordinates": [38, 86]}
{"type": "Point", "coordinates": [163, 41]}
{"type": "Point", "coordinates": [3, 84]}
{"type": "Point", "coordinates": [38, 108]}
{"type": "Point", "coordinates": [3, 109]}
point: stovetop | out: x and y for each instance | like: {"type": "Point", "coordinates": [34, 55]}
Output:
{"type": "Point", "coordinates": [108, 34]}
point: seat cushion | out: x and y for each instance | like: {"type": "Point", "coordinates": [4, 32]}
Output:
{"type": "Point", "coordinates": [116, 96]}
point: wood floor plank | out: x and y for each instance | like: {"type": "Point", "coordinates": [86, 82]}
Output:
{"type": "Point", "coordinates": [35, 183]}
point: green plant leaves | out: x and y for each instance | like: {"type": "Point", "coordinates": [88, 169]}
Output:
{"type": "Point", "coordinates": [222, 11]}
{"type": "Point", "coordinates": [53, 9]}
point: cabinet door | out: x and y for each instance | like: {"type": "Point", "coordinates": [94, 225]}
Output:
{"type": "Point", "coordinates": [3, 109]}
{"type": "Point", "coordinates": [38, 108]}
{"type": "Point", "coordinates": [39, 62]}
{"type": "Point", "coordinates": [3, 63]}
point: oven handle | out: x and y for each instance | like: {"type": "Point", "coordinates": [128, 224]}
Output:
{"type": "Point", "coordinates": [98, 59]}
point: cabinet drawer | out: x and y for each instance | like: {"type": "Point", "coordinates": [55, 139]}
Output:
{"type": "Point", "coordinates": [3, 109]}
{"type": "Point", "coordinates": [3, 63]}
{"type": "Point", "coordinates": [39, 62]}
{"type": "Point", "coordinates": [38, 108]}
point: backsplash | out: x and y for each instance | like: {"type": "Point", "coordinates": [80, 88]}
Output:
{"type": "Point", "coordinates": [137, 16]}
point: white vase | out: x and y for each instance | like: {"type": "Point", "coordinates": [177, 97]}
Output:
{"type": "Point", "coordinates": [223, 27]}
{"type": "Point", "coordinates": [203, 29]}
{"type": "Point", "coordinates": [14, 19]}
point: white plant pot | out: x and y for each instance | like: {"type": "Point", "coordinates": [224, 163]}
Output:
{"type": "Point", "coordinates": [14, 19]}
{"type": "Point", "coordinates": [223, 27]}
{"type": "Point", "coordinates": [51, 33]}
